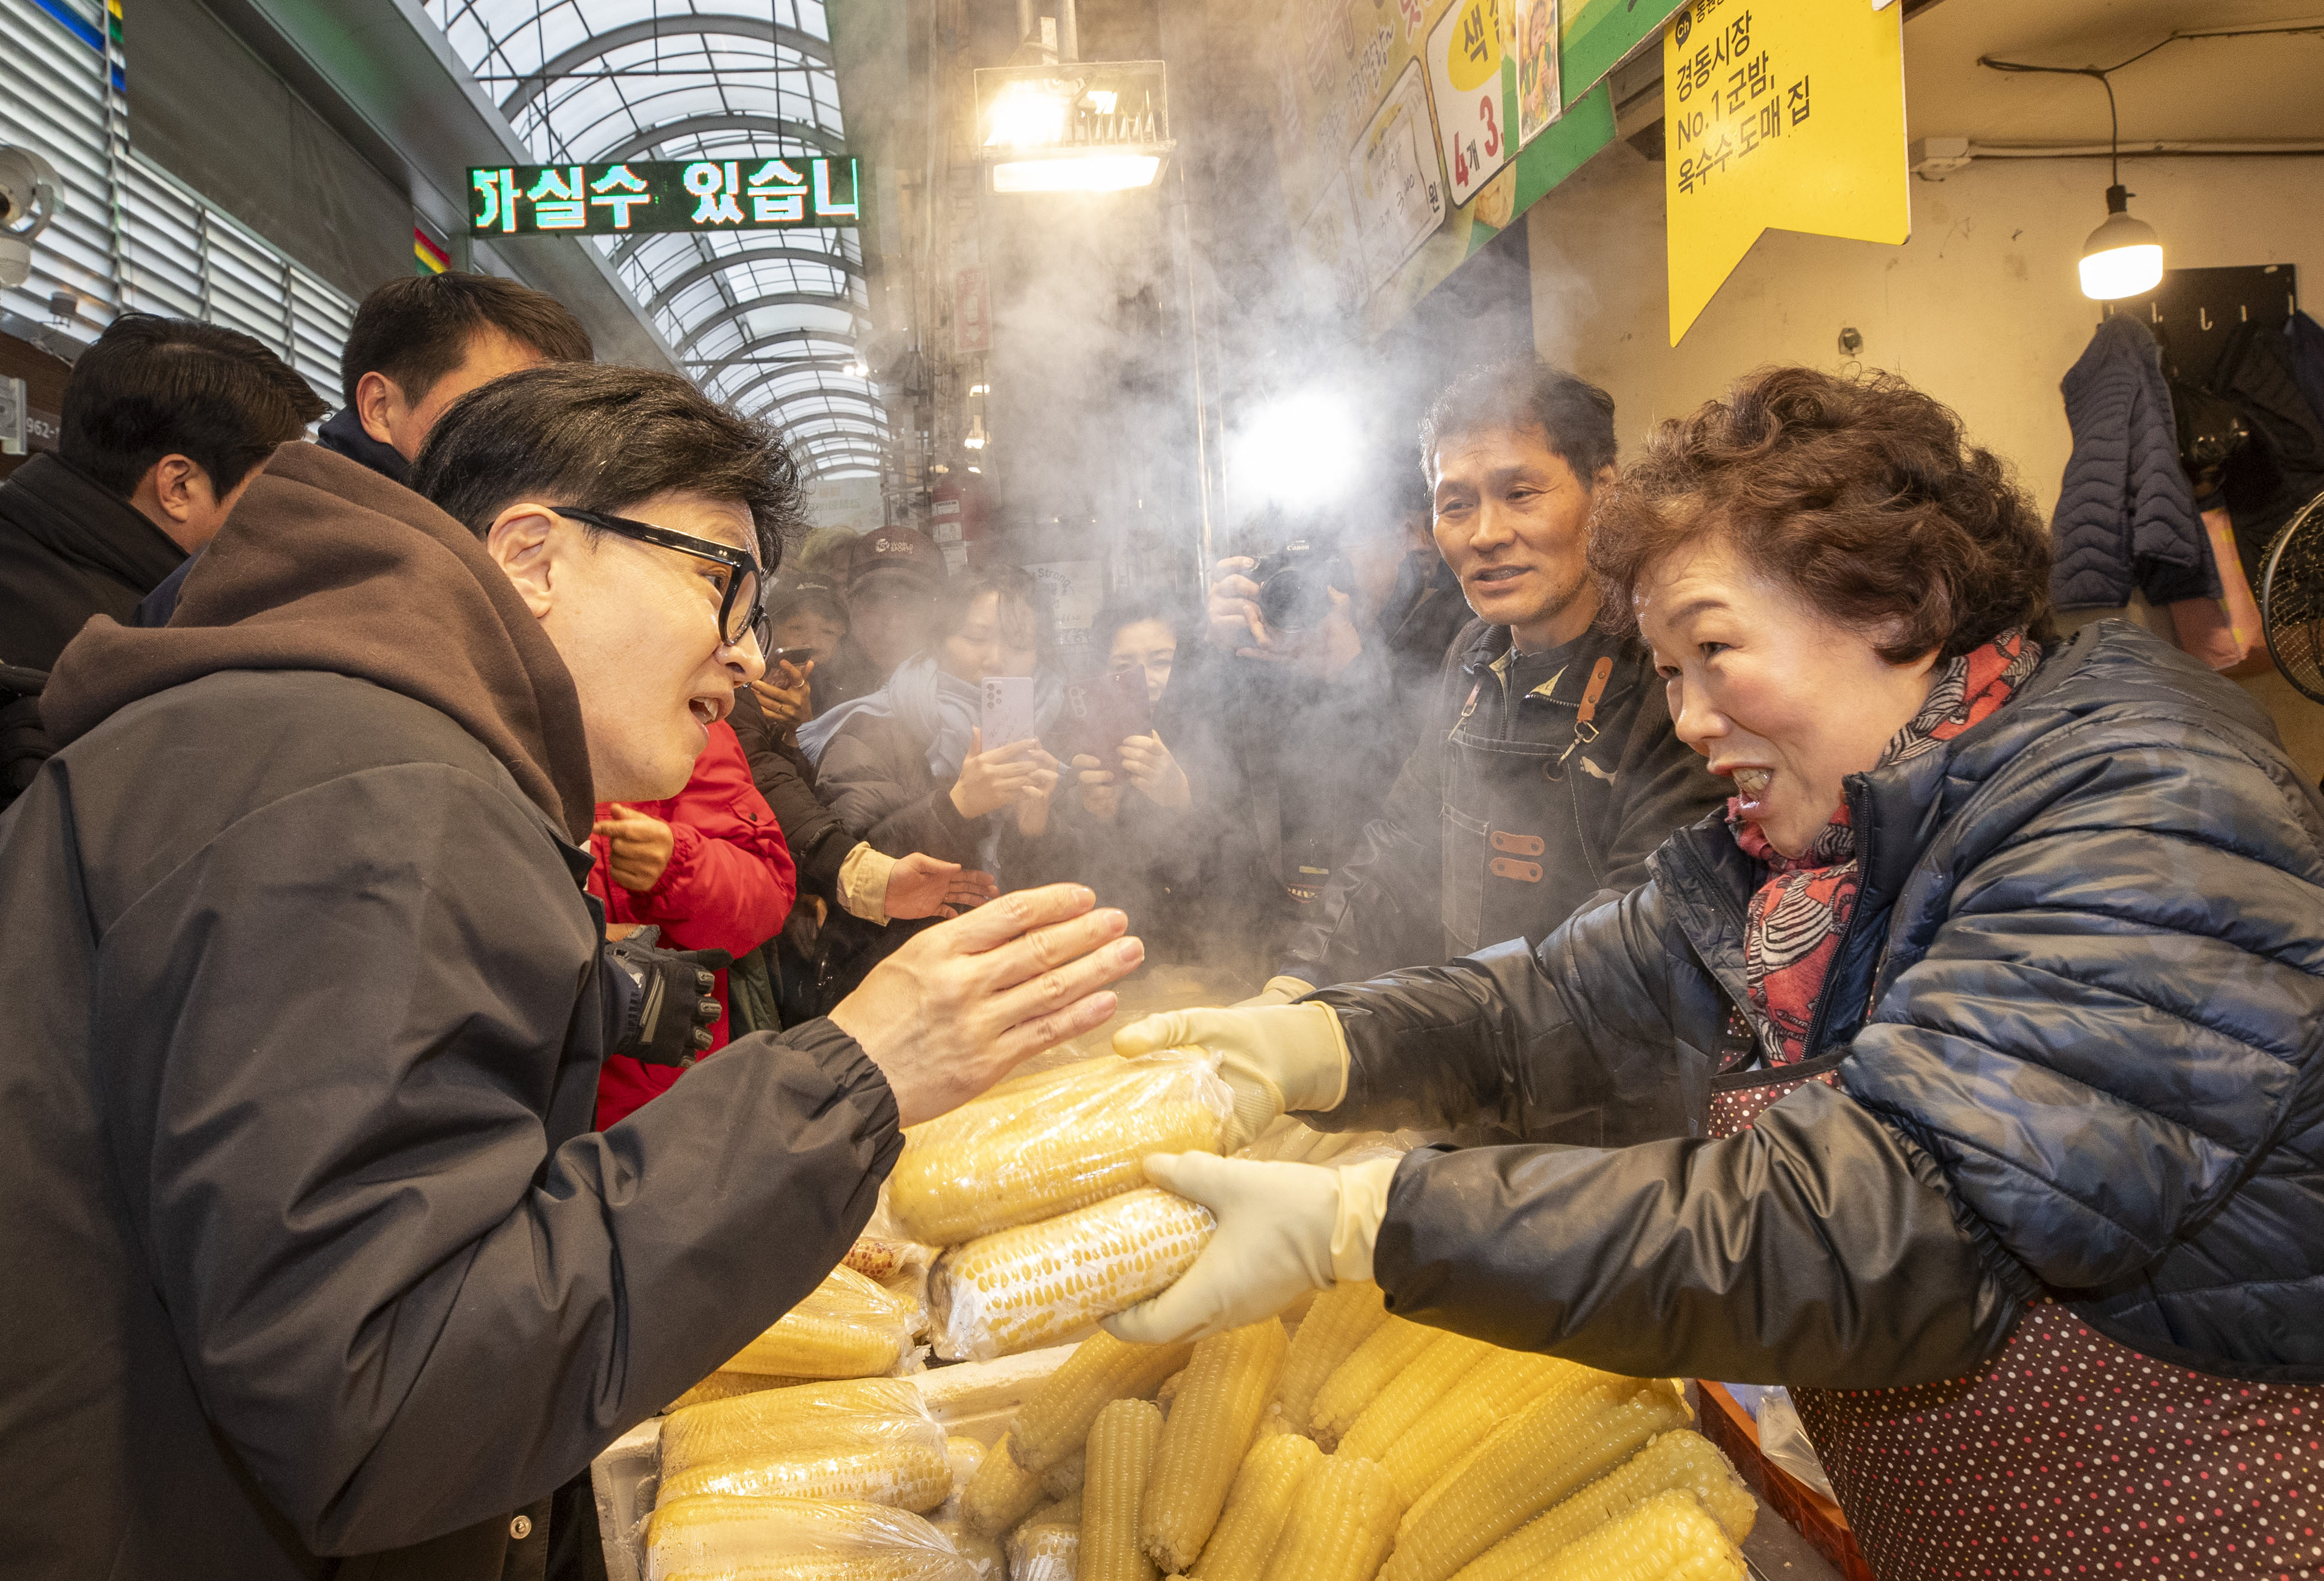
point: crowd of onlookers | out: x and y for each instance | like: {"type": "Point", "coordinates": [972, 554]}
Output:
{"type": "Point", "coordinates": [1264, 797]}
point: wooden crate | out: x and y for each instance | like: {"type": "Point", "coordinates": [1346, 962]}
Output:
{"type": "Point", "coordinates": [1815, 1517]}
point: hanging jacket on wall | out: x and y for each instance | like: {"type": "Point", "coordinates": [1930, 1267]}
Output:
{"type": "Point", "coordinates": [2269, 480]}
{"type": "Point", "coordinates": [2126, 518]}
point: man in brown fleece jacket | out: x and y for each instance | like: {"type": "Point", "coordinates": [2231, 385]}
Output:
{"type": "Point", "coordinates": [316, 1266]}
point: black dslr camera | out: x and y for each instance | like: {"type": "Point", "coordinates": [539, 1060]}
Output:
{"type": "Point", "coordinates": [1294, 583]}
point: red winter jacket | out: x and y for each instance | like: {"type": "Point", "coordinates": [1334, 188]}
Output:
{"type": "Point", "coordinates": [728, 886]}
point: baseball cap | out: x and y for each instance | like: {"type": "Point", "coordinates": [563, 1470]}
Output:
{"type": "Point", "coordinates": [900, 550]}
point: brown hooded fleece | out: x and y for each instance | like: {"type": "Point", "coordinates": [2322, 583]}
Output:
{"type": "Point", "coordinates": [326, 566]}
{"type": "Point", "coordinates": [317, 1264]}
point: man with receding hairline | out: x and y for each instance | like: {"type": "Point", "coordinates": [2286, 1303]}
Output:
{"type": "Point", "coordinates": [1547, 771]}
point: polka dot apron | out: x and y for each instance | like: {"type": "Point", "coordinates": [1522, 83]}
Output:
{"type": "Point", "coordinates": [2065, 1454]}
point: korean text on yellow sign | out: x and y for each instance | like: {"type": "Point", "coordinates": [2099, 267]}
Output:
{"type": "Point", "coordinates": [1785, 114]}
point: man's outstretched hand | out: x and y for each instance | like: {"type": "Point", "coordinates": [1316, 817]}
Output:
{"type": "Point", "coordinates": [959, 1007]}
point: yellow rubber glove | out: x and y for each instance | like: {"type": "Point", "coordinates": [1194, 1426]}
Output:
{"type": "Point", "coordinates": [1283, 1230]}
{"type": "Point", "coordinates": [1276, 1057]}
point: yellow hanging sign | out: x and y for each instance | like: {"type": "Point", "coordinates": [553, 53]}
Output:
{"type": "Point", "coordinates": [1785, 115]}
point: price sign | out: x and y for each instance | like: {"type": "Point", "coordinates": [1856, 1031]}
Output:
{"type": "Point", "coordinates": [1475, 128]}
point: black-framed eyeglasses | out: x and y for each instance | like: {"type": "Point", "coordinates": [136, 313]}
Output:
{"type": "Point", "coordinates": [742, 600]}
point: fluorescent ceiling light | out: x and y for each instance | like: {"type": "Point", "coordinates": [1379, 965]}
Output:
{"type": "Point", "coordinates": [1087, 172]}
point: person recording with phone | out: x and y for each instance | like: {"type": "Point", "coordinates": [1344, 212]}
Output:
{"type": "Point", "coordinates": [1144, 770]}
{"type": "Point", "coordinates": [908, 769]}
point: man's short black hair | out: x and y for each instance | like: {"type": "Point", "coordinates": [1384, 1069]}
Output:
{"type": "Point", "coordinates": [152, 387]}
{"type": "Point", "coordinates": [604, 439]}
{"type": "Point", "coordinates": [415, 331]}
{"type": "Point", "coordinates": [1521, 393]}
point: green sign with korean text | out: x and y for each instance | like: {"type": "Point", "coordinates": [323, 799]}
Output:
{"type": "Point", "coordinates": [653, 195]}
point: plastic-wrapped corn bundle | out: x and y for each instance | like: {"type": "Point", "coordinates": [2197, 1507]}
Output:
{"type": "Point", "coordinates": [873, 1440]}
{"type": "Point", "coordinates": [724, 1385]}
{"type": "Point", "coordinates": [802, 1417]}
{"type": "Point", "coordinates": [1046, 1546]}
{"type": "Point", "coordinates": [813, 1540]}
{"type": "Point", "coordinates": [1036, 1284]}
{"type": "Point", "coordinates": [1076, 1137]}
{"type": "Point", "coordinates": [847, 1327]}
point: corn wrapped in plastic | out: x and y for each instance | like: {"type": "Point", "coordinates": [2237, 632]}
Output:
{"type": "Point", "coordinates": [848, 1326]}
{"type": "Point", "coordinates": [1046, 1546]}
{"type": "Point", "coordinates": [812, 1540]}
{"type": "Point", "coordinates": [1036, 1284]}
{"type": "Point", "coordinates": [1074, 1137]}
{"type": "Point", "coordinates": [868, 1416]}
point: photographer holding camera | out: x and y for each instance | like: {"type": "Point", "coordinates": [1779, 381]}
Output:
{"type": "Point", "coordinates": [1547, 770]}
{"type": "Point", "coordinates": [1293, 687]}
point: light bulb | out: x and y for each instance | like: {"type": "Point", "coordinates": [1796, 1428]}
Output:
{"type": "Point", "coordinates": [2123, 258]}
{"type": "Point", "coordinates": [1088, 172]}
{"type": "Point", "coordinates": [975, 441]}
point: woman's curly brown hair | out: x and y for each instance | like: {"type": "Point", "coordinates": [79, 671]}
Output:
{"type": "Point", "coordinates": [1860, 494]}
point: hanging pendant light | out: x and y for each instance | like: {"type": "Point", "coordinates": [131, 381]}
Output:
{"type": "Point", "coordinates": [2123, 256]}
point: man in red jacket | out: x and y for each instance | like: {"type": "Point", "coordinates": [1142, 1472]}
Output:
{"type": "Point", "coordinates": [708, 865]}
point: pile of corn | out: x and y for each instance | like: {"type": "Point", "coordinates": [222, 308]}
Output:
{"type": "Point", "coordinates": [1367, 1447]}
{"type": "Point", "coordinates": [1037, 1191]}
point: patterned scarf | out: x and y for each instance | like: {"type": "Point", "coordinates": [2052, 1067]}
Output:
{"type": "Point", "coordinates": [1796, 918]}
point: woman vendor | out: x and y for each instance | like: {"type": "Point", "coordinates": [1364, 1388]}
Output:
{"type": "Point", "coordinates": [1998, 989]}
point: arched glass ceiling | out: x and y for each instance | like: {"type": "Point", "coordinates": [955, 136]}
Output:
{"type": "Point", "coordinates": [769, 320]}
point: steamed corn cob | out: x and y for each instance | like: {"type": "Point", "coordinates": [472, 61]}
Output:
{"type": "Point", "coordinates": [826, 1540]}
{"type": "Point", "coordinates": [1341, 1524]}
{"type": "Point", "coordinates": [847, 1327]}
{"type": "Point", "coordinates": [1268, 1479]}
{"type": "Point", "coordinates": [1054, 1421]}
{"type": "Point", "coordinates": [906, 1476]}
{"type": "Point", "coordinates": [1602, 1391]}
{"type": "Point", "coordinates": [1342, 1318]}
{"type": "Point", "coordinates": [1369, 1368]}
{"type": "Point", "coordinates": [1120, 1451]}
{"type": "Point", "coordinates": [1031, 1154]}
{"type": "Point", "coordinates": [1680, 1460]}
{"type": "Point", "coordinates": [1669, 1538]}
{"type": "Point", "coordinates": [1433, 1374]}
{"type": "Point", "coordinates": [863, 1412]}
{"type": "Point", "coordinates": [965, 1454]}
{"type": "Point", "coordinates": [1505, 1384]}
{"type": "Point", "coordinates": [1064, 1512]}
{"type": "Point", "coordinates": [1033, 1285]}
{"type": "Point", "coordinates": [1066, 1476]}
{"type": "Point", "coordinates": [1544, 1454]}
{"type": "Point", "coordinates": [1229, 1382]}
{"type": "Point", "coordinates": [1000, 1493]}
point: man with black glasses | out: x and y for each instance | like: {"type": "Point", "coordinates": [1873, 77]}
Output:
{"type": "Point", "coordinates": [313, 1252]}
